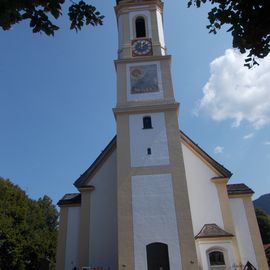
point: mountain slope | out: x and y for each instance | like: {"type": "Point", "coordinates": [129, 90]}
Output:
{"type": "Point", "coordinates": [263, 203]}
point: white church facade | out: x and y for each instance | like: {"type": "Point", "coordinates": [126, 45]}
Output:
{"type": "Point", "coordinates": [153, 199]}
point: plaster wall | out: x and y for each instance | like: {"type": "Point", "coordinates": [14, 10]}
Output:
{"type": "Point", "coordinates": [242, 231]}
{"type": "Point", "coordinates": [103, 217]}
{"type": "Point", "coordinates": [72, 240]}
{"type": "Point", "coordinates": [160, 30]}
{"type": "Point", "coordinates": [203, 195]}
{"type": "Point", "coordinates": [154, 218]}
{"type": "Point", "coordinates": [224, 246]}
{"type": "Point", "coordinates": [146, 95]}
{"type": "Point", "coordinates": [141, 139]}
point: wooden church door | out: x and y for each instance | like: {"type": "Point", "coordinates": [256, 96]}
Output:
{"type": "Point", "coordinates": [157, 256]}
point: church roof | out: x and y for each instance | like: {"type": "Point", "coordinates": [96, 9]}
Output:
{"type": "Point", "coordinates": [232, 189]}
{"type": "Point", "coordinates": [212, 231]}
{"type": "Point", "coordinates": [235, 189]}
{"type": "Point", "coordinates": [81, 181]}
{"type": "Point", "coordinates": [70, 198]}
{"type": "Point", "coordinates": [220, 168]}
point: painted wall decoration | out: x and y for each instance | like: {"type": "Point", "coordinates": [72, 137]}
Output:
{"type": "Point", "coordinates": [144, 79]}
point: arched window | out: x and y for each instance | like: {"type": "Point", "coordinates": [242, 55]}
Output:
{"type": "Point", "coordinates": [147, 122]}
{"type": "Point", "coordinates": [157, 256]}
{"type": "Point", "coordinates": [216, 260]}
{"type": "Point", "coordinates": [140, 27]}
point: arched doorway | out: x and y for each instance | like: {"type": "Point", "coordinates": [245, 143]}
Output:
{"type": "Point", "coordinates": [157, 256]}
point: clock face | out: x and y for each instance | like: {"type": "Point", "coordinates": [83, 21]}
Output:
{"type": "Point", "coordinates": [141, 47]}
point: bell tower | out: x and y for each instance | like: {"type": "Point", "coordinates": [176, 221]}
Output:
{"type": "Point", "coordinates": [154, 219]}
{"type": "Point", "coordinates": [140, 23]}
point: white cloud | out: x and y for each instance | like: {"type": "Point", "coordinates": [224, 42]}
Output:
{"type": "Point", "coordinates": [267, 143]}
{"type": "Point", "coordinates": [237, 93]}
{"type": "Point", "coordinates": [248, 136]}
{"type": "Point", "coordinates": [218, 149]}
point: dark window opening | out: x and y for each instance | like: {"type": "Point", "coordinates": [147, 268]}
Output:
{"type": "Point", "coordinates": [157, 256]}
{"type": "Point", "coordinates": [140, 27]}
{"type": "Point", "coordinates": [216, 258]}
{"type": "Point", "coordinates": [149, 151]}
{"type": "Point", "coordinates": [147, 122]}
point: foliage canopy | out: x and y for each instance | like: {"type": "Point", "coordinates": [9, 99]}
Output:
{"type": "Point", "coordinates": [264, 225]}
{"type": "Point", "coordinates": [28, 229]}
{"type": "Point", "coordinates": [41, 12]}
{"type": "Point", "coordinates": [249, 24]}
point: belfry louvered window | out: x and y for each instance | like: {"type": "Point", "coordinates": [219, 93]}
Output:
{"type": "Point", "coordinates": [140, 27]}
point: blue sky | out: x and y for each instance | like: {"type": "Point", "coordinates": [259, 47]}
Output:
{"type": "Point", "coordinates": [57, 95]}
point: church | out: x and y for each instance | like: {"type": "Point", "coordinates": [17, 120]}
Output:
{"type": "Point", "coordinates": [153, 199]}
